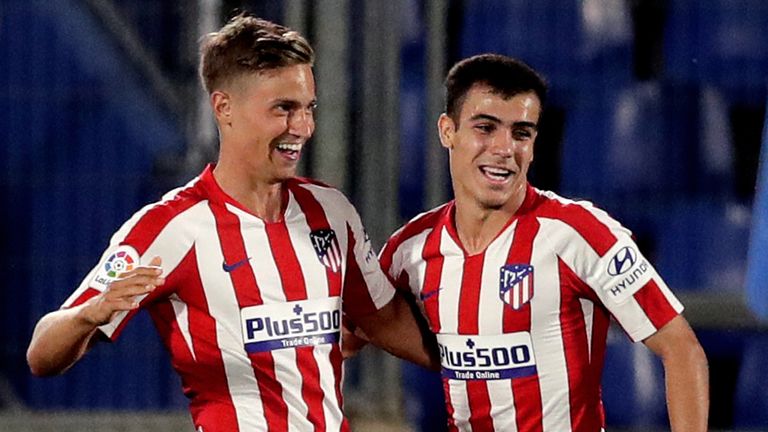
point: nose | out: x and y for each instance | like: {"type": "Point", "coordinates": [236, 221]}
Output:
{"type": "Point", "coordinates": [503, 145]}
{"type": "Point", "coordinates": [301, 123]}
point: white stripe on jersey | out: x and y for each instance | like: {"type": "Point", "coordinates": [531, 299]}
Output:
{"type": "Point", "coordinates": [298, 232]}
{"type": "Point", "coordinates": [118, 237]}
{"type": "Point", "coordinates": [580, 256]}
{"type": "Point", "coordinates": [268, 276]}
{"type": "Point", "coordinates": [495, 257]}
{"type": "Point", "coordinates": [588, 309]}
{"type": "Point", "coordinates": [182, 319]}
{"type": "Point", "coordinates": [413, 245]}
{"type": "Point", "coordinates": [460, 403]}
{"type": "Point", "coordinates": [500, 393]}
{"type": "Point", "coordinates": [548, 338]}
{"type": "Point", "coordinates": [286, 373]}
{"type": "Point", "coordinates": [260, 255]}
{"type": "Point", "coordinates": [503, 411]}
{"type": "Point", "coordinates": [167, 245]}
{"type": "Point", "coordinates": [338, 209]}
{"type": "Point", "coordinates": [318, 288]}
{"type": "Point", "coordinates": [223, 306]}
{"type": "Point", "coordinates": [333, 416]}
{"type": "Point", "coordinates": [450, 284]}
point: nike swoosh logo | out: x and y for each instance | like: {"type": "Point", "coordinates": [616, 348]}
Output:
{"type": "Point", "coordinates": [425, 295]}
{"type": "Point", "coordinates": [233, 267]}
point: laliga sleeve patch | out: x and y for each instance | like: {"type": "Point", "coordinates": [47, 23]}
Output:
{"type": "Point", "coordinates": [121, 260]}
{"type": "Point", "coordinates": [627, 271]}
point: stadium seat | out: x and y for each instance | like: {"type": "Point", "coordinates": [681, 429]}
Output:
{"type": "Point", "coordinates": [701, 245]}
{"type": "Point", "coordinates": [751, 399]}
{"type": "Point", "coordinates": [721, 42]}
{"type": "Point", "coordinates": [632, 385]}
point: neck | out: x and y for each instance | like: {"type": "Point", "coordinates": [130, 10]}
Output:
{"type": "Point", "coordinates": [478, 225]}
{"type": "Point", "coordinates": [260, 197]}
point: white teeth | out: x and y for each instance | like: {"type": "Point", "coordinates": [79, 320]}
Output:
{"type": "Point", "coordinates": [289, 147]}
{"type": "Point", "coordinates": [496, 172]}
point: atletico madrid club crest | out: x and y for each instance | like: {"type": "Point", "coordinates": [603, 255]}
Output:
{"type": "Point", "coordinates": [327, 248]}
{"type": "Point", "coordinates": [516, 284]}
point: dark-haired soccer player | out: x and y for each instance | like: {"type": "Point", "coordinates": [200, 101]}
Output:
{"type": "Point", "coordinates": [519, 284]}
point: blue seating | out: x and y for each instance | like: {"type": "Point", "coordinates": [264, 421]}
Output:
{"type": "Point", "coordinates": [701, 244]}
{"type": "Point", "coordinates": [719, 42]}
{"type": "Point", "coordinates": [633, 385]}
{"type": "Point", "coordinates": [424, 400]}
{"type": "Point", "coordinates": [751, 399]}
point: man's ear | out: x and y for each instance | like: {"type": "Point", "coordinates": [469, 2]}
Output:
{"type": "Point", "coordinates": [221, 103]}
{"type": "Point", "coordinates": [446, 129]}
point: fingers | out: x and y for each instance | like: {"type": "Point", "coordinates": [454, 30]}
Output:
{"type": "Point", "coordinates": [156, 261]}
{"type": "Point", "coordinates": [125, 292]}
{"type": "Point", "coordinates": [153, 268]}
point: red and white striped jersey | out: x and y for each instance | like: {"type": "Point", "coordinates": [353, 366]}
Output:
{"type": "Point", "coordinates": [251, 311]}
{"type": "Point", "coordinates": [522, 325]}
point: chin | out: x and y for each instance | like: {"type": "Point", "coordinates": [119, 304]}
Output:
{"type": "Point", "coordinates": [492, 203]}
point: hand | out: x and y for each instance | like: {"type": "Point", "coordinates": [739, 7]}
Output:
{"type": "Point", "coordinates": [353, 339]}
{"type": "Point", "coordinates": [121, 293]}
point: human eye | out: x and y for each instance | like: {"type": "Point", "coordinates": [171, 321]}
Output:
{"type": "Point", "coordinates": [522, 134]}
{"type": "Point", "coordinates": [485, 128]}
{"type": "Point", "coordinates": [283, 107]}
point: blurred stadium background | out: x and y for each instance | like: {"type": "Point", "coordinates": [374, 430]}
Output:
{"type": "Point", "coordinates": [657, 114]}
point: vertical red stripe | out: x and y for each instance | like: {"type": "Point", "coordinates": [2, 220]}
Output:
{"type": "Point", "coordinates": [248, 294]}
{"type": "Point", "coordinates": [294, 287]}
{"type": "Point", "coordinates": [583, 392]}
{"type": "Point", "coordinates": [356, 299]}
{"type": "Point", "coordinates": [432, 275]}
{"type": "Point", "coordinates": [526, 391]}
{"type": "Point", "coordinates": [655, 304]}
{"type": "Point", "coordinates": [601, 320]}
{"type": "Point", "coordinates": [317, 219]}
{"type": "Point", "coordinates": [449, 406]}
{"type": "Point", "coordinates": [210, 380]}
{"type": "Point", "coordinates": [287, 263]}
{"type": "Point", "coordinates": [469, 301]}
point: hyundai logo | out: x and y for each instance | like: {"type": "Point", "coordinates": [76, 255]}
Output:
{"type": "Point", "coordinates": [624, 259]}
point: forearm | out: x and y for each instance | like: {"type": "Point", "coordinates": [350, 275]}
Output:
{"type": "Point", "coordinates": [687, 381]}
{"type": "Point", "coordinates": [60, 339]}
{"type": "Point", "coordinates": [687, 375]}
{"type": "Point", "coordinates": [395, 329]}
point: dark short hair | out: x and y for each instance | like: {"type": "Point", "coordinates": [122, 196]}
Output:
{"type": "Point", "coordinates": [504, 75]}
{"type": "Point", "coordinates": [247, 44]}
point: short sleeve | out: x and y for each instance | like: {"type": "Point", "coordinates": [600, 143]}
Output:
{"type": "Point", "coordinates": [366, 287]}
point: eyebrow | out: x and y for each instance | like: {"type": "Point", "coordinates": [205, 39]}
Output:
{"type": "Point", "coordinates": [498, 120]}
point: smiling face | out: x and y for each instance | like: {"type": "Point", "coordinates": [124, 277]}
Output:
{"type": "Point", "coordinates": [265, 119]}
{"type": "Point", "coordinates": [491, 147]}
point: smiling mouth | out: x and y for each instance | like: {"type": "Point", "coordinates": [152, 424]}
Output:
{"type": "Point", "coordinates": [290, 150]}
{"type": "Point", "coordinates": [496, 174]}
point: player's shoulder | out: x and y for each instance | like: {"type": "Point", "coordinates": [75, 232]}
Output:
{"type": "Point", "coordinates": [176, 201]}
{"type": "Point", "coordinates": [420, 223]}
{"type": "Point", "coordinates": [326, 195]}
{"type": "Point", "coordinates": [172, 204]}
{"type": "Point", "coordinates": [552, 205]}
{"type": "Point", "coordinates": [583, 218]}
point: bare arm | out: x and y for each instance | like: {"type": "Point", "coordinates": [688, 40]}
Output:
{"type": "Point", "coordinates": [62, 337]}
{"type": "Point", "coordinates": [399, 329]}
{"type": "Point", "coordinates": [686, 375]}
